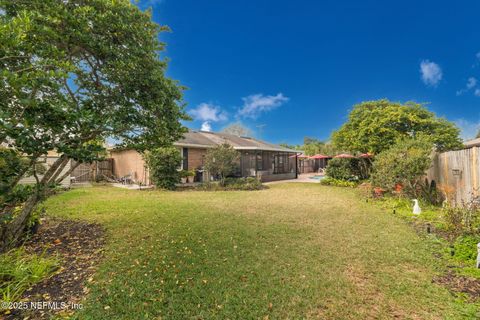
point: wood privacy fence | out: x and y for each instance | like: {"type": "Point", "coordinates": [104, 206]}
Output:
{"type": "Point", "coordinates": [457, 174]}
{"type": "Point", "coordinates": [86, 172]}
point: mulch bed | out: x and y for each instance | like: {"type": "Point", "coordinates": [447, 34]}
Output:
{"type": "Point", "coordinates": [456, 283]}
{"type": "Point", "coordinates": [78, 246]}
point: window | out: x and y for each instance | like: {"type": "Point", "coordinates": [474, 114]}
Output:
{"type": "Point", "coordinates": [185, 158]}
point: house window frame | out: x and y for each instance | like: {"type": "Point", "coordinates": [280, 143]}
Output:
{"type": "Point", "coordinates": [184, 162]}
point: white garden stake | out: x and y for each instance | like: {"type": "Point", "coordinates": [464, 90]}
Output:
{"type": "Point", "coordinates": [478, 256]}
{"type": "Point", "coordinates": [416, 207]}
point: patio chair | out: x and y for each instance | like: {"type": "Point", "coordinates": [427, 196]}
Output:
{"type": "Point", "coordinates": [126, 179]}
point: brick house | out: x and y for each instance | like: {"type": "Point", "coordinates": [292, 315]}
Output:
{"type": "Point", "coordinates": [260, 159]}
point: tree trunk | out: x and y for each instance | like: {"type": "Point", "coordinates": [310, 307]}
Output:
{"type": "Point", "coordinates": [12, 232]}
{"type": "Point", "coordinates": [59, 170]}
{"type": "Point", "coordinates": [66, 174]}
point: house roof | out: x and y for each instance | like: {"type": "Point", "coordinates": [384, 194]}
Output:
{"type": "Point", "coordinates": [472, 143]}
{"type": "Point", "coordinates": [207, 139]}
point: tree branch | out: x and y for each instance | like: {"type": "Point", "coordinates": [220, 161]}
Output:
{"type": "Point", "coordinates": [59, 170]}
{"type": "Point", "coordinates": [66, 174]}
{"type": "Point", "coordinates": [70, 93]}
{"type": "Point", "coordinates": [14, 57]}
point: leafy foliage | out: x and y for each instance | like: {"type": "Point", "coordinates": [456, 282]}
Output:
{"type": "Point", "coordinates": [75, 73]}
{"type": "Point", "coordinates": [462, 219]}
{"type": "Point", "coordinates": [12, 165]}
{"type": "Point", "coordinates": [345, 169]}
{"type": "Point", "coordinates": [19, 271]}
{"type": "Point", "coordinates": [466, 248]}
{"type": "Point", "coordinates": [374, 126]}
{"type": "Point", "coordinates": [221, 161]}
{"type": "Point", "coordinates": [328, 181]}
{"type": "Point", "coordinates": [163, 166]}
{"type": "Point", "coordinates": [404, 164]}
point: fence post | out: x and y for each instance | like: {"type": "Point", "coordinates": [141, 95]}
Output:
{"type": "Point", "coordinates": [475, 171]}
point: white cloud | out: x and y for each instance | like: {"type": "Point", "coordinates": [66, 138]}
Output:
{"type": "Point", "coordinates": [468, 129]}
{"type": "Point", "coordinates": [255, 104]}
{"type": "Point", "coordinates": [206, 126]}
{"type": "Point", "coordinates": [431, 73]}
{"type": "Point", "coordinates": [471, 83]}
{"type": "Point", "coordinates": [208, 113]}
{"type": "Point", "coordinates": [477, 92]}
{"type": "Point", "coordinates": [478, 55]}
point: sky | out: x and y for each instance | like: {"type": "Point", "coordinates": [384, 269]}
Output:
{"type": "Point", "coordinates": [290, 69]}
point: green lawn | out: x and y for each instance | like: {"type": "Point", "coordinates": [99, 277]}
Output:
{"type": "Point", "coordinates": [289, 252]}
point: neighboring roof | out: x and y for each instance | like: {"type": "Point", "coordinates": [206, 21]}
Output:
{"type": "Point", "coordinates": [207, 139]}
{"type": "Point", "coordinates": [472, 143]}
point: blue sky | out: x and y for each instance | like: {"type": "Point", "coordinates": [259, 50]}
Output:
{"type": "Point", "coordinates": [289, 69]}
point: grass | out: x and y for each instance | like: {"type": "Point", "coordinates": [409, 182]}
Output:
{"type": "Point", "coordinates": [289, 252]}
{"type": "Point", "coordinates": [20, 270]}
{"type": "Point", "coordinates": [464, 246]}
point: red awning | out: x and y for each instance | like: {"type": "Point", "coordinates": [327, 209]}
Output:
{"type": "Point", "coordinates": [344, 155]}
{"type": "Point", "coordinates": [320, 156]}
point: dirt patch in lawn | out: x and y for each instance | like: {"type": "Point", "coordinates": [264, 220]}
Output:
{"type": "Point", "coordinates": [461, 284]}
{"type": "Point", "coordinates": [78, 246]}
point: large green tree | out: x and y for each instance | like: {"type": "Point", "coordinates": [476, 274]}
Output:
{"type": "Point", "coordinates": [374, 126]}
{"type": "Point", "coordinates": [74, 73]}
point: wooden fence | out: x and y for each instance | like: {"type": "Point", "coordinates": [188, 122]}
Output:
{"type": "Point", "coordinates": [87, 172]}
{"type": "Point", "coordinates": [457, 174]}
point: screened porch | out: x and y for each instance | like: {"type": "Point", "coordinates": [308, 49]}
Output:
{"type": "Point", "coordinates": [267, 165]}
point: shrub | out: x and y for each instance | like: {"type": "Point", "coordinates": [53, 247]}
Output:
{"type": "Point", "coordinates": [222, 161]}
{"type": "Point", "coordinates": [460, 219]}
{"type": "Point", "coordinates": [163, 166]}
{"type": "Point", "coordinates": [249, 183]}
{"type": "Point", "coordinates": [404, 164]}
{"type": "Point", "coordinates": [184, 173]}
{"type": "Point", "coordinates": [430, 192]}
{"type": "Point", "coordinates": [328, 181]}
{"type": "Point", "coordinates": [344, 169]}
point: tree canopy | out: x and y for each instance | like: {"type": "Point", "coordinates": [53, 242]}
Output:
{"type": "Point", "coordinates": [374, 126]}
{"type": "Point", "coordinates": [76, 72]}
